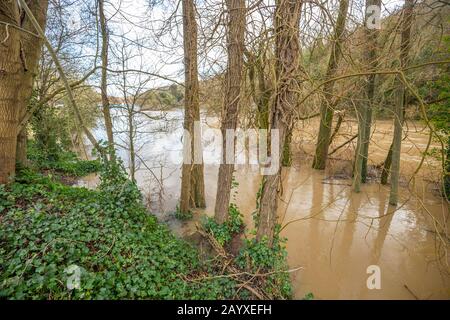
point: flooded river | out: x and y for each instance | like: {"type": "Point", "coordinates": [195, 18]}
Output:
{"type": "Point", "coordinates": [332, 233]}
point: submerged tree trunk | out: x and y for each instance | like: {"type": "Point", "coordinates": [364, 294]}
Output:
{"type": "Point", "coordinates": [104, 84]}
{"type": "Point", "coordinates": [326, 109]}
{"type": "Point", "coordinates": [192, 180]}
{"type": "Point", "coordinates": [400, 103]}
{"type": "Point", "coordinates": [396, 144]}
{"type": "Point", "coordinates": [365, 118]}
{"type": "Point", "coordinates": [386, 167]}
{"type": "Point", "coordinates": [287, 19]}
{"type": "Point", "coordinates": [11, 69]}
{"type": "Point", "coordinates": [198, 183]}
{"type": "Point", "coordinates": [31, 47]}
{"type": "Point", "coordinates": [235, 48]}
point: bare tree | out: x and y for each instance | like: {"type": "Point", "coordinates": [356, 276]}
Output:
{"type": "Point", "coordinates": [235, 48]}
{"type": "Point", "coordinates": [365, 116]}
{"type": "Point", "coordinates": [192, 180]}
{"type": "Point", "coordinates": [400, 102]}
{"type": "Point", "coordinates": [327, 110]}
{"type": "Point", "coordinates": [104, 83]}
{"type": "Point", "coordinates": [287, 52]}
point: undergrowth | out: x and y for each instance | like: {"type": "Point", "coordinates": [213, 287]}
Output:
{"type": "Point", "coordinates": [61, 162]}
{"type": "Point", "coordinates": [224, 232]}
{"type": "Point", "coordinates": [258, 256]}
{"type": "Point", "coordinates": [267, 263]}
{"type": "Point", "coordinates": [121, 251]}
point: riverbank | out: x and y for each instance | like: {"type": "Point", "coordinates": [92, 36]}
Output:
{"type": "Point", "coordinates": [60, 240]}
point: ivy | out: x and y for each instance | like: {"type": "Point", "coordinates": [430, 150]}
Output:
{"type": "Point", "coordinates": [120, 250]}
{"type": "Point", "coordinates": [224, 232]}
{"type": "Point", "coordinates": [61, 162]}
{"type": "Point", "coordinates": [258, 256]}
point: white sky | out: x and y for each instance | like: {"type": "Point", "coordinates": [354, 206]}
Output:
{"type": "Point", "coordinates": [136, 20]}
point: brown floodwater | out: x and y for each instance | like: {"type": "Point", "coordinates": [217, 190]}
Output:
{"type": "Point", "coordinates": [332, 233]}
{"type": "Point", "coordinates": [335, 234]}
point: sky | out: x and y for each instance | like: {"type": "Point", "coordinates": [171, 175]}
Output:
{"type": "Point", "coordinates": [163, 55]}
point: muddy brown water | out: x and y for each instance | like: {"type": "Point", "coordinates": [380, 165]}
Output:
{"type": "Point", "coordinates": [332, 233]}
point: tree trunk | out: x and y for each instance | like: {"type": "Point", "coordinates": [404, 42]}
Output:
{"type": "Point", "coordinates": [260, 81]}
{"type": "Point", "coordinates": [268, 204]}
{"type": "Point", "coordinates": [396, 144]}
{"type": "Point", "coordinates": [235, 48]}
{"type": "Point", "coordinates": [104, 84]}
{"type": "Point", "coordinates": [21, 146]}
{"type": "Point", "coordinates": [11, 70]}
{"type": "Point", "coordinates": [400, 104]}
{"type": "Point", "coordinates": [372, 36]}
{"type": "Point", "coordinates": [326, 109]}
{"type": "Point", "coordinates": [31, 47]}
{"type": "Point", "coordinates": [198, 185]}
{"type": "Point", "coordinates": [287, 19]}
{"type": "Point", "coordinates": [262, 92]}
{"type": "Point", "coordinates": [287, 154]}
{"type": "Point", "coordinates": [192, 180]}
{"type": "Point", "coordinates": [365, 118]}
{"type": "Point", "coordinates": [386, 167]}
{"type": "Point", "coordinates": [265, 92]}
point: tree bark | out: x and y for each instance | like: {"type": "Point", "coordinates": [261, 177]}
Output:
{"type": "Point", "coordinates": [365, 118]}
{"type": "Point", "coordinates": [235, 48]}
{"type": "Point", "coordinates": [386, 167]}
{"type": "Point", "coordinates": [31, 47]}
{"type": "Point", "coordinates": [261, 86]}
{"type": "Point", "coordinates": [11, 70]}
{"type": "Point", "coordinates": [287, 153]}
{"type": "Point", "coordinates": [192, 179]}
{"type": "Point", "coordinates": [326, 109]}
{"type": "Point", "coordinates": [287, 51]}
{"type": "Point", "coordinates": [400, 104]}
{"type": "Point", "coordinates": [104, 83]}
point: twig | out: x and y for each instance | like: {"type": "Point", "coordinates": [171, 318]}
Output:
{"type": "Point", "coordinates": [343, 144]}
{"type": "Point", "coordinates": [410, 291]}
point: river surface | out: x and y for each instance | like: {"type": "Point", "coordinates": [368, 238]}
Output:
{"type": "Point", "coordinates": [333, 233]}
